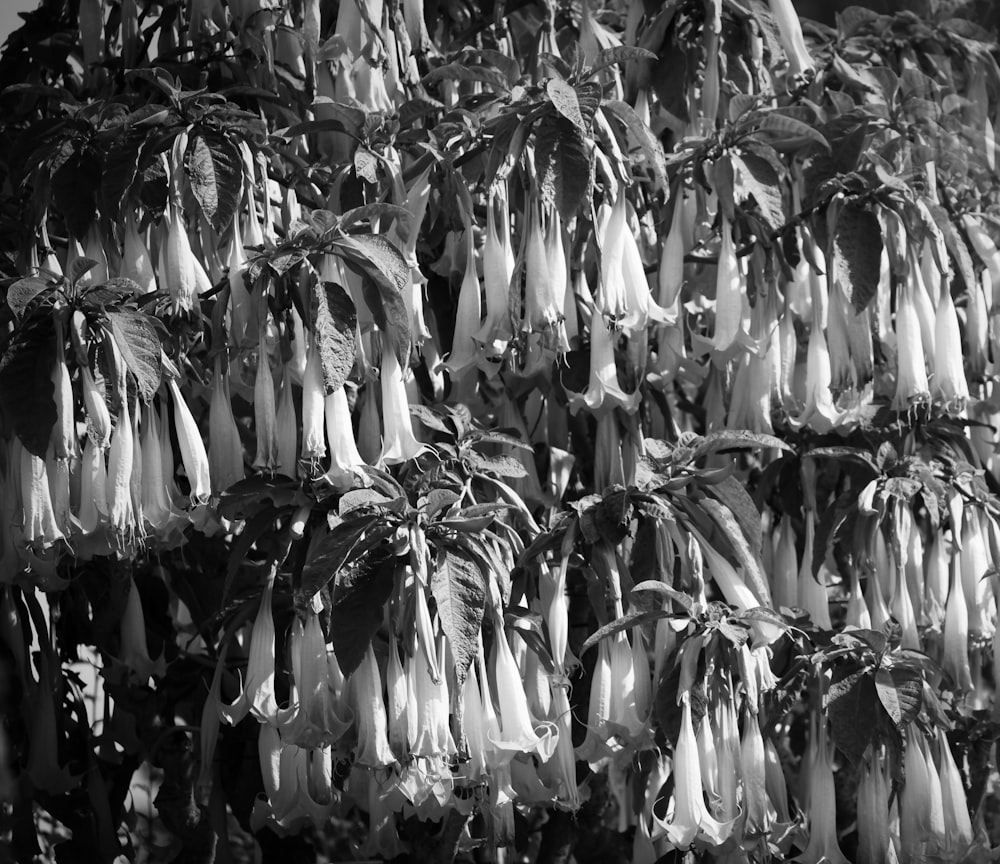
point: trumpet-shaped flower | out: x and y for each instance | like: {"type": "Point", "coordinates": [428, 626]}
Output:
{"type": "Point", "coordinates": [398, 441]}
{"type": "Point", "coordinates": [225, 448]}
{"type": "Point", "coordinates": [313, 409]}
{"type": "Point", "coordinates": [136, 263]}
{"type": "Point", "coordinates": [603, 393]}
{"type": "Point", "coordinates": [519, 732]}
{"type": "Point", "coordinates": [823, 847]}
{"type": "Point", "coordinates": [911, 375]}
{"type": "Point", "coordinates": [874, 839]}
{"type": "Point", "coordinates": [265, 417]}
{"type": "Point", "coordinates": [365, 685]}
{"type": "Point", "coordinates": [134, 648]}
{"type": "Point", "coordinates": [468, 317]}
{"type": "Point", "coordinates": [790, 34]}
{"type": "Point", "coordinates": [196, 464]}
{"type": "Point", "coordinates": [40, 525]}
{"type": "Point", "coordinates": [344, 456]}
{"type": "Point", "coordinates": [257, 695]}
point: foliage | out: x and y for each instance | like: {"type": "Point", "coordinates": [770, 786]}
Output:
{"type": "Point", "coordinates": [421, 423]}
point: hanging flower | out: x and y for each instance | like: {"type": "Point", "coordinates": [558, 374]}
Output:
{"type": "Point", "coordinates": [373, 750]}
{"type": "Point", "coordinates": [398, 442]}
{"type": "Point", "coordinates": [193, 454]}
{"type": "Point", "coordinates": [265, 417]}
{"type": "Point", "coordinates": [40, 525]}
{"type": "Point", "coordinates": [257, 695]}
{"type": "Point", "coordinates": [874, 840]}
{"type": "Point", "coordinates": [603, 392]}
{"type": "Point", "coordinates": [225, 447]}
{"type": "Point", "coordinates": [134, 648]}
{"type": "Point", "coordinates": [136, 263]}
{"type": "Point", "coordinates": [313, 409]}
{"type": "Point", "coordinates": [911, 376]}
{"type": "Point", "coordinates": [344, 456]}
{"type": "Point", "coordinates": [790, 34]}
{"type": "Point", "coordinates": [823, 848]}
{"type": "Point", "coordinates": [468, 317]}
{"type": "Point", "coordinates": [287, 428]}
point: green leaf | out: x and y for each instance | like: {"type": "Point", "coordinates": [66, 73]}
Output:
{"type": "Point", "coordinates": [736, 439]}
{"type": "Point", "coordinates": [857, 254]}
{"type": "Point", "coordinates": [366, 164]}
{"type": "Point", "coordinates": [22, 292]}
{"type": "Point", "coordinates": [74, 186]}
{"type": "Point", "coordinates": [361, 589]}
{"type": "Point", "coordinates": [386, 275]}
{"type": "Point", "coordinates": [746, 557]}
{"type": "Point", "coordinates": [459, 590]}
{"type": "Point", "coordinates": [653, 586]}
{"type": "Point", "coordinates": [648, 143]}
{"type": "Point", "coordinates": [248, 497]}
{"type": "Point", "coordinates": [565, 101]}
{"type": "Point", "coordinates": [757, 178]}
{"type": "Point", "coordinates": [852, 706]}
{"type": "Point", "coordinates": [460, 72]}
{"type": "Point", "coordinates": [501, 466]}
{"type": "Point", "coordinates": [900, 690]}
{"type": "Point", "coordinates": [121, 164]}
{"type": "Point", "coordinates": [139, 345]}
{"type": "Point", "coordinates": [335, 322]}
{"type": "Point", "coordinates": [635, 618]}
{"type": "Point", "coordinates": [621, 54]}
{"type": "Point", "coordinates": [562, 163]}
{"type": "Point", "coordinates": [26, 388]}
{"type": "Point", "coordinates": [786, 132]}
{"type": "Point", "coordinates": [215, 170]}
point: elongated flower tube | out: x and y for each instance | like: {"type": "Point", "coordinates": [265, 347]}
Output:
{"type": "Point", "coordinates": [594, 749]}
{"type": "Point", "coordinates": [820, 412]}
{"type": "Point", "coordinates": [134, 648]}
{"type": "Point", "coordinates": [671, 273]}
{"type": "Point", "coordinates": [225, 448]}
{"type": "Point", "coordinates": [974, 559]}
{"type": "Point", "coordinates": [823, 848]}
{"type": "Point", "coordinates": [373, 750]}
{"type": "Point", "coordinates": [955, 660]}
{"type": "Point", "coordinates": [555, 256]}
{"type": "Point", "coordinates": [40, 526]}
{"type": "Point", "coordinates": [874, 840]}
{"type": "Point", "coordinates": [257, 696]}
{"type": "Point", "coordinates": [93, 488]}
{"type": "Point", "coordinates": [603, 391]}
{"type": "Point", "coordinates": [921, 807]}
{"type": "Point", "coordinates": [177, 266]}
{"type": "Point", "coordinates": [785, 570]}
{"type": "Point", "coordinates": [313, 411]}
{"type": "Point", "coordinates": [728, 292]}
{"type": "Point", "coordinates": [541, 311]}
{"type": "Point", "coordinates": [64, 441]}
{"type": "Point", "coordinates": [690, 817]}
{"type": "Point", "coordinates": [136, 263]}
{"type": "Point", "coordinates": [911, 375]}
{"type": "Point", "coordinates": [98, 416]}
{"type": "Point", "coordinates": [398, 441]}
{"type": "Point", "coordinates": [157, 507]}
{"type": "Point", "coordinates": [753, 771]}
{"type": "Point", "coordinates": [120, 459]}
{"type": "Point", "coordinates": [498, 270]}
{"type": "Point", "coordinates": [468, 316]}
{"type": "Point", "coordinates": [344, 456]}
{"type": "Point", "coordinates": [812, 588]}
{"type": "Point", "coordinates": [196, 465]}
{"type": "Point", "coordinates": [949, 384]}
{"type": "Point", "coordinates": [265, 416]}
{"type": "Point", "coordinates": [790, 34]}
{"type": "Point", "coordinates": [519, 732]}
{"type": "Point", "coordinates": [287, 428]}
{"type": "Point", "coordinates": [957, 824]}
{"type": "Point", "coordinates": [312, 719]}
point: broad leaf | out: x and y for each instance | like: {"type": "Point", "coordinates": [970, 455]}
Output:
{"type": "Point", "coordinates": [459, 590]}
{"type": "Point", "coordinates": [22, 292]}
{"type": "Point", "coordinates": [140, 347]}
{"type": "Point", "coordinates": [900, 690]}
{"type": "Point", "coordinates": [643, 136]}
{"type": "Point", "coordinates": [386, 275]}
{"type": "Point", "coordinates": [361, 589]}
{"type": "Point", "coordinates": [857, 254]}
{"type": "Point", "coordinates": [757, 178]}
{"type": "Point", "coordinates": [852, 706]}
{"type": "Point", "coordinates": [335, 320]}
{"type": "Point", "coordinates": [562, 163]}
{"type": "Point", "coordinates": [626, 622]}
{"type": "Point", "coordinates": [565, 101]}
{"type": "Point", "coordinates": [26, 388]}
{"type": "Point", "coordinates": [215, 170]}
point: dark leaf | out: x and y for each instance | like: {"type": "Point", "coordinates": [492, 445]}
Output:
{"type": "Point", "coordinates": [900, 690]}
{"type": "Point", "coordinates": [562, 163]}
{"type": "Point", "coordinates": [140, 347]}
{"type": "Point", "coordinates": [656, 587]}
{"type": "Point", "coordinates": [756, 178]}
{"type": "Point", "coordinates": [215, 170]}
{"type": "Point", "coordinates": [342, 543]}
{"type": "Point", "coordinates": [22, 292]}
{"type": "Point", "coordinates": [627, 621]}
{"type": "Point", "coordinates": [335, 320]}
{"type": "Point", "coordinates": [857, 255]}
{"type": "Point", "coordinates": [361, 589]}
{"type": "Point", "coordinates": [643, 136]}
{"type": "Point", "coordinates": [565, 101]}
{"type": "Point", "coordinates": [852, 706]}
{"type": "Point", "coordinates": [736, 439]}
{"type": "Point", "coordinates": [387, 275]}
{"type": "Point", "coordinates": [26, 388]}
{"type": "Point", "coordinates": [459, 590]}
